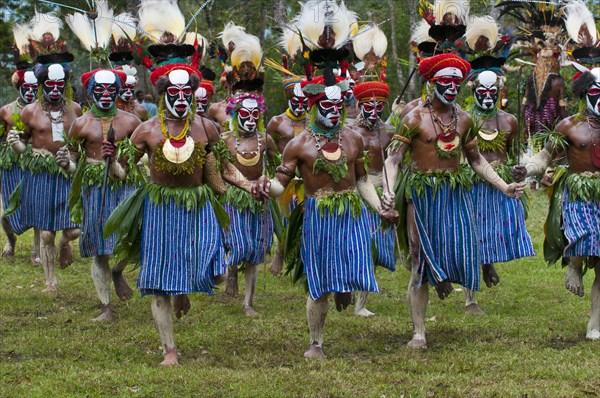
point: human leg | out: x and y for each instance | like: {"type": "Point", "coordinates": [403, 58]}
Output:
{"type": "Point", "coordinates": [250, 275]}
{"type": "Point", "coordinates": [162, 313]}
{"type": "Point", "coordinates": [316, 312]}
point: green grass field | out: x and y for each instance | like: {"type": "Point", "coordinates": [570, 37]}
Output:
{"type": "Point", "coordinates": [532, 343]}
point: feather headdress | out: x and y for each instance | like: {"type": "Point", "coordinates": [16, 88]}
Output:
{"type": "Point", "coordinates": [231, 34]}
{"type": "Point", "coordinates": [482, 34]}
{"type": "Point", "coordinates": [162, 20]}
{"type": "Point", "coordinates": [451, 12]}
{"type": "Point", "coordinates": [123, 33]}
{"type": "Point", "coordinates": [369, 45]}
{"type": "Point", "coordinates": [45, 44]}
{"type": "Point", "coordinates": [93, 33]}
{"type": "Point", "coordinates": [580, 24]}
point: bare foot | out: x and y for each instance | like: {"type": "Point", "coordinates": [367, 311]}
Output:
{"type": "Point", "coordinates": [314, 352]}
{"type": "Point", "coordinates": [35, 259]}
{"type": "Point", "coordinates": [473, 309]}
{"type": "Point", "coordinates": [106, 314]}
{"type": "Point", "coordinates": [342, 300]}
{"type": "Point", "coordinates": [171, 358]}
{"type": "Point", "coordinates": [363, 312]}
{"type": "Point", "coordinates": [181, 303]}
{"type": "Point", "coordinates": [574, 281]}
{"type": "Point", "coordinates": [443, 289]}
{"type": "Point", "coordinates": [9, 249]}
{"type": "Point", "coordinates": [220, 279]}
{"type": "Point", "coordinates": [122, 289]}
{"type": "Point", "coordinates": [231, 284]}
{"type": "Point", "coordinates": [50, 289]}
{"type": "Point", "coordinates": [250, 312]}
{"type": "Point", "coordinates": [277, 262]}
{"type": "Point", "coordinates": [490, 276]}
{"type": "Point", "coordinates": [593, 334]}
{"type": "Point", "coordinates": [417, 344]}
{"type": "Point", "coordinates": [65, 255]}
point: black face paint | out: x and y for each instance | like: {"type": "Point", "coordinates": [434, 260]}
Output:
{"type": "Point", "coordinates": [28, 92]}
{"type": "Point", "coordinates": [486, 97]}
{"type": "Point", "coordinates": [371, 111]}
{"type": "Point", "coordinates": [179, 99]}
{"type": "Point", "coordinates": [126, 93]}
{"type": "Point", "coordinates": [104, 95]}
{"type": "Point", "coordinates": [329, 111]}
{"type": "Point", "coordinates": [298, 105]}
{"type": "Point", "coordinates": [592, 99]}
{"type": "Point", "coordinates": [54, 90]}
{"type": "Point", "coordinates": [447, 88]}
{"type": "Point", "coordinates": [248, 119]}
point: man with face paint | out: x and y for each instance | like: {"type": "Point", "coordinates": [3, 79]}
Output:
{"type": "Point", "coordinates": [442, 237]}
{"type": "Point", "coordinates": [179, 145]}
{"type": "Point", "coordinates": [580, 229]}
{"type": "Point", "coordinates": [350, 100]}
{"type": "Point", "coordinates": [502, 233]}
{"type": "Point", "coordinates": [126, 100]}
{"type": "Point", "coordinates": [250, 233]}
{"type": "Point", "coordinates": [25, 83]}
{"type": "Point", "coordinates": [90, 132]}
{"type": "Point", "coordinates": [203, 95]}
{"type": "Point", "coordinates": [283, 128]}
{"type": "Point", "coordinates": [46, 122]}
{"type": "Point", "coordinates": [330, 159]}
{"type": "Point", "coordinates": [376, 135]}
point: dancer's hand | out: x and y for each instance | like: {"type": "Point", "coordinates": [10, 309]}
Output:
{"type": "Point", "coordinates": [63, 157]}
{"type": "Point", "coordinates": [261, 187]}
{"type": "Point", "coordinates": [519, 173]}
{"type": "Point", "coordinates": [13, 138]}
{"type": "Point", "coordinates": [388, 200]}
{"type": "Point", "coordinates": [515, 190]}
{"type": "Point", "coordinates": [109, 150]}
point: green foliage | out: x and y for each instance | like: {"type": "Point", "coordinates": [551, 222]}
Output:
{"type": "Point", "coordinates": [555, 240]}
{"type": "Point", "coordinates": [14, 200]}
{"type": "Point", "coordinates": [241, 200]}
{"type": "Point", "coordinates": [583, 187]}
{"type": "Point", "coordinates": [419, 180]}
{"type": "Point", "coordinates": [35, 162]}
{"type": "Point", "coordinates": [8, 157]}
{"type": "Point", "coordinates": [339, 202]}
{"type": "Point", "coordinates": [336, 169]}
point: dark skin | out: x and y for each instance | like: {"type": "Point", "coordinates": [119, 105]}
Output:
{"type": "Point", "coordinates": [506, 123]}
{"type": "Point", "coordinates": [38, 127]}
{"type": "Point", "coordinates": [216, 112]}
{"type": "Point", "coordinates": [374, 140]}
{"type": "Point", "coordinates": [6, 116]}
{"type": "Point", "coordinates": [580, 138]}
{"type": "Point", "coordinates": [283, 129]}
{"type": "Point", "coordinates": [138, 110]}
{"type": "Point", "coordinates": [248, 144]}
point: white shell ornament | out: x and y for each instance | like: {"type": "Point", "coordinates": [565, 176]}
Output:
{"type": "Point", "coordinates": [178, 155]}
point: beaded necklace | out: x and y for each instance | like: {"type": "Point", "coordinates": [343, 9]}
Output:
{"type": "Point", "coordinates": [255, 154]}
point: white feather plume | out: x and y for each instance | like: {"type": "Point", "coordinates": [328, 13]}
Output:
{"type": "Point", "coordinates": [160, 16]}
{"type": "Point", "coordinates": [45, 23]}
{"type": "Point", "coordinates": [420, 33]}
{"type": "Point", "coordinates": [460, 8]}
{"type": "Point", "coordinates": [21, 33]}
{"type": "Point", "coordinates": [191, 37]}
{"type": "Point", "coordinates": [290, 41]}
{"type": "Point", "coordinates": [83, 27]}
{"type": "Point", "coordinates": [577, 15]}
{"type": "Point", "coordinates": [312, 20]}
{"type": "Point", "coordinates": [482, 26]}
{"type": "Point", "coordinates": [124, 25]}
{"type": "Point", "coordinates": [369, 37]}
{"type": "Point", "coordinates": [231, 33]}
{"type": "Point", "coordinates": [247, 48]}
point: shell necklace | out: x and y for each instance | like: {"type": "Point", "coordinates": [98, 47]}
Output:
{"type": "Point", "coordinates": [256, 154]}
{"type": "Point", "coordinates": [331, 151]}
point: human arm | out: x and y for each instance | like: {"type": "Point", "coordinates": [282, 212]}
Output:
{"type": "Point", "coordinates": [285, 172]}
{"type": "Point", "coordinates": [18, 137]}
{"type": "Point", "coordinates": [396, 151]}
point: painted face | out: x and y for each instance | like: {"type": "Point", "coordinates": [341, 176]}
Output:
{"type": "Point", "coordinates": [28, 90]}
{"type": "Point", "coordinates": [104, 95]}
{"type": "Point", "coordinates": [248, 115]}
{"type": "Point", "coordinates": [349, 95]}
{"type": "Point", "coordinates": [447, 88]}
{"type": "Point", "coordinates": [329, 108]}
{"type": "Point", "coordinates": [126, 92]}
{"type": "Point", "coordinates": [371, 111]}
{"type": "Point", "coordinates": [202, 99]}
{"type": "Point", "coordinates": [592, 98]}
{"type": "Point", "coordinates": [53, 88]}
{"type": "Point", "coordinates": [298, 104]}
{"type": "Point", "coordinates": [486, 93]}
{"type": "Point", "coordinates": [179, 95]}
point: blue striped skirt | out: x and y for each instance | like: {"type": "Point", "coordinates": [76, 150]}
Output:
{"type": "Point", "coordinates": [44, 201]}
{"type": "Point", "coordinates": [245, 238]}
{"type": "Point", "coordinates": [581, 222]}
{"type": "Point", "coordinates": [336, 251]}
{"type": "Point", "coordinates": [10, 179]}
{"type": "Point", "coordinates": [384, 240]}
{"type": "Point", "coordinates": [448, 236]}
{"type": "Point", "coordinates": [500, 226]}
{"type": "Point", "coordinates": [181, 251]}
{"type": "Point", "coordinates": [92, 226]}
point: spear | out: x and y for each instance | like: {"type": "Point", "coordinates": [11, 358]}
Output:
{"type": "Point", "coordinates": [110, 137]}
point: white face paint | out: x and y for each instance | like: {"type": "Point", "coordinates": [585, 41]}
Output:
{"type": "Point", "coordinates": [201, 100]}
{"type": "Point", "coordinates": [486, 92]}
{"type": "Point", "coordinates": [298, 104]}
{"type": "Point", "coordinates": [29, 88]}
{"type": "Point", "coordinates": [104, 92]}
{"type": "Point", "coordinates": [178, 95]}
{"type": "Point", "coordinates": [592, 97]}
{"type": "Point", "coordinates": [54, 86]}
{"type": "Point", "coordinates": [248, 115]}
{"type": "Point", "coordinates": [126, 93]}
{"type": "Point", "coordinates": [447, 84]}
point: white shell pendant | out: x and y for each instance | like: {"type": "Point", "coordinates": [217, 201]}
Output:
{"type": "Point", "coordinates": [178, 155]}
{"type": "Point", "coordinates": [488, 135]}
{"type": "Point", "coordinates": [332, 156]}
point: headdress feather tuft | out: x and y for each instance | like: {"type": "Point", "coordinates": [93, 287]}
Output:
{"type": "Point", "coordinates": [162, 19]}
{"type": "Point", "coordinates": [83, 27]}
{"type": "Point", "coordinates": [482, 27]}
{"type": "Point", "coordinates": [580, 25]}
{"type": "Point", "coordinates": [369, 38]}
